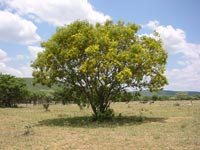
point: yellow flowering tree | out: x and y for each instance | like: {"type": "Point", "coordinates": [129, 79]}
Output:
{"type": "Point", "coordinates": [100, 61]}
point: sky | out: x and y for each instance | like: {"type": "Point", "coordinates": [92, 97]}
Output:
{"type": "Point", "coordinates": [24, 24]}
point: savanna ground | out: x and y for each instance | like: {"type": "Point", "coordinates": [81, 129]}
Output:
{"type": "Point", "coordinates": [159, 126]}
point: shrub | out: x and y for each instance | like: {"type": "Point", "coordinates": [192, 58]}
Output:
{"type": "Point", "coordinates": [46, 106]}
{"type": "Point", "coordinates": [155, 97]}
{"type": "Point", "coordinates": [176, 104]}
{"type": "Point", "coordinates": [28, 130]}
{"type": "Point", "coordinates": [12, 91]}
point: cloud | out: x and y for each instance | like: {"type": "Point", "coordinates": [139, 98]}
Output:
{"type": "Point", "coordinates": [26, 71]}
{"type": "Point", "coordinates": [34, 50]}
{"type": "Point", "coordinates": [58, 12]}
{"type": "Point", "coordinates": [186, 77]}
{"type": "Point", "coordinates": [4, 68]}
{"type": "Point", "coordinates": [9, 70]}
{"type": "Point", "coordinates": [3, 56]}
{"type": "Point", "coordinates": [152, 24]}
{"type": "Point", "coordinates": [20, 57]}
{"type": "Point", "coordinates": [17, 26]}
{"type": "Point", "coordinates": [16, 29]}
{"type": "Point", "coordinates": [23, 71]}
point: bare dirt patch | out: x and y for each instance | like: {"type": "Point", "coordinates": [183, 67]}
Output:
{"type": "Point", "coordinates": [174, 119]}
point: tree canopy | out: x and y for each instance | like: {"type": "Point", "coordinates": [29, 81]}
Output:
{"type": "Point", "coordinates": [12, 90]}
{"type": "Point", "coordinates": [99, 61]}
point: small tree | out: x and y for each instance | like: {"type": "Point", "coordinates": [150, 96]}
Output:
{"type": "Point", "coordinates": [126, 96]}
{"type": "Point", "coordinates": [36, 97]}
{"type": "Point", "coordinates": [182, 96]}
{"type": "Point", "coordinates": [64, 95]}
{"type": "Point", "coordinates": [12, 90]}
{"type": "Point", "coordinates": [100, 61]}
{"type": "Point", "coordinates": [155, 97]}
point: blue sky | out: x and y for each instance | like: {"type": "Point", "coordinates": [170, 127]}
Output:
{"type": "Point", "coordinates": [25, 24]}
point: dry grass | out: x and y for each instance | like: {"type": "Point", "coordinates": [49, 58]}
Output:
{"type": "Point", "coordinates": [140, 126]}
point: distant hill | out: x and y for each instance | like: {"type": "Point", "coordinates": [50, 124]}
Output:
{"type": "Point", "coordinates": [168, 93]}
{"type": "Point", "coordinates": [37, 87]}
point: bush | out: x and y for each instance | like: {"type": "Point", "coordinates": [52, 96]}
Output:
{"type": "Point", "coordinates": [155, 97]}
{"type": "Point", "coordinates": [65, 95]}
{"type": "Point", "coordinates": [46, 106]}
{"type": "Point", "coordinates": [146, 98]}
{"type": "Point", "coordinates": [126, 97]}
{"type": "Point", "coordinates": [176, 104]}
{"type": "Point", "coordinates": [28, 130]}
{"type": "Point", "coordinates": [13, 91]}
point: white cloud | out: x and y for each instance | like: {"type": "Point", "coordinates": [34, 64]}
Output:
{"type": "Point", "coordinates": [26, 71]}
{"type": "Point", "coordinates": [174, 40]}
{"type": "Point", "coordinates": [184, 79]}
{"type": "Point", "coordinates": [57, 12]}
{"type": "Point", "coordinates": [152, 24]}
{"type": "Point", "coordinates": [34, 50]}
{"type": "Point", "coordinates": [20, 57]}
{"type": "Point", "coordinates": [21, 71]}
{"type": "Point", "coordinates": [9, 70]}
{"type": "Point", "coordinates": [16, 29]}
{"type": "Point", "coordinates": [6, 69]}
{"type": "Point", "coordinates": [3, 56]}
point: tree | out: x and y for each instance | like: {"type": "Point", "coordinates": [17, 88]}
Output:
{"type": "Point", "coordinates": [38, 97]}
{"type": "Point", "coordinates": [100, 61]}
{"type": "Point", "coordinates": [155, 97]}
{"type": "Point", "coordinates": [12, 90]}
{"type": "Point", "coordinates": [182, 96]}
{"type": "Point", "coordinates": [65, 95]}
{"type": "Point", "coordinates": [126, 97]}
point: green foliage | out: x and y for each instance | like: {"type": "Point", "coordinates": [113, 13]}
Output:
{"type": "Point", "coordinates": [12, 91]}
{"type": "Point", "coordinates": [196, 97]}
{"type": "Point", "coordinates": [126, 97]}
{"type": "Point", "coordinates": [38, 87]}
{"type": "Point", "coordinates": [164, 98]}
{"type": "Point", "coordinates": [100, 61]}
{"type": "Point", "coordinates": [65, 95]}
{"type": "Point", "coordinates": [182, 96]}
{"type": "Point", "coordinates": [40, 97]}
{"type": "Point", "coordinates": [36, 97]}
{"type": "Point", "coordinates": [155, 97]}
{"type": "Point", "coordinates": [60, 95]}
{"type": "Point", "coordinates": [146, 98]}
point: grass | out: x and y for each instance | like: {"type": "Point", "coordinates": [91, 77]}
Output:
{"type": "Point", "coordinates": [161, 125]}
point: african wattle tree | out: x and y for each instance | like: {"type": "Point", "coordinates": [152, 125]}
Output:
{"type": "Point", "coordinates": [100, 61]}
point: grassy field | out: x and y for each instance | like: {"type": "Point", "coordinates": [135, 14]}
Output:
{"type": "Point", "coordinates": [159, 126]}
